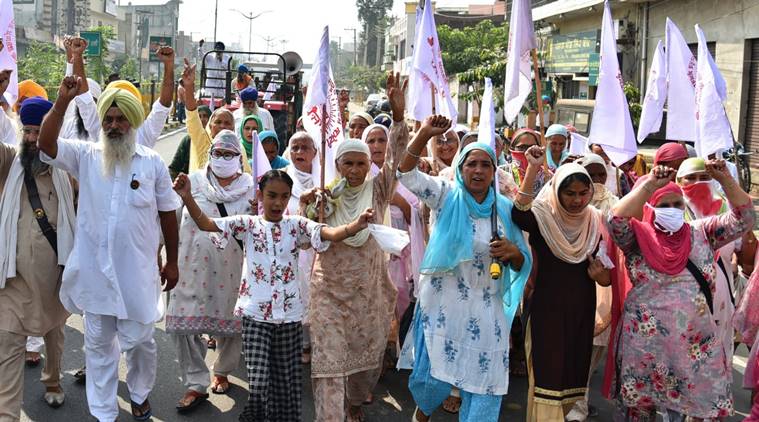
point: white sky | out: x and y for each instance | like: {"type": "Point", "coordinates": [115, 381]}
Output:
{"type": "Point", "coordinates": [300, 22]}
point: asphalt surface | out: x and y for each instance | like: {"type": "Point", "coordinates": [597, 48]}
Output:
{"type": "Point", "coordinates": [392, 402]}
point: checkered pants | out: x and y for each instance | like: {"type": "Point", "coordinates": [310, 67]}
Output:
{"type": "Point", "coordinates": [273, 358]}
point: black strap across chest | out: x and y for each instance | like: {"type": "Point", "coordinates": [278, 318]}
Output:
{"type": "Point", "coordinates": [39, 212]}
{"type": "Point", "coordinates": [223, 212]}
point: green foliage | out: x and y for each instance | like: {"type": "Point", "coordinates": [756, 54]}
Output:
{"type": "Point", "coordinates": [474, 53]}
{"type": "Point", "coordinates": [372, 14]}
{"type": "Point", "coordinates": [633, 102]}
{"type": "Point", "coordinates": [128, 70]}
{"type": "Point", "coordinates": [97, 68]}
{"type": "Point", "coordinates": [44, 64]}
{"type": "Point", "coordinates": [365, 78]}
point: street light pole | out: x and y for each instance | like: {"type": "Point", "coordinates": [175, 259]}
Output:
{"type": "Point", "coordinates": [355, 49]}
{"type": "Point", "coordinates": [215, 21]}
{"type": "Point", "coordinates": [250, 18]}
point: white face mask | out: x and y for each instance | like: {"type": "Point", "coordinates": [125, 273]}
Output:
{"type": "Point", "coordinates": [223, 168]}
{"type": "Point", "coordinates": [669, 219]}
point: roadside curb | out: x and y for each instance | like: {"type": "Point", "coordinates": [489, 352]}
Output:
{"type": "Point", "coordinates": [173, 132]}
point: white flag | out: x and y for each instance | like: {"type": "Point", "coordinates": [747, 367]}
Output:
{"type": "Point", "coordinates": [486, 131]}
{"type": "Point", "coordinates": [259, 163]}
{"type": "Point", "coordinates": [8, 52]}
{"type": "Point", "coordinates": [611, 126]}
{"type": "Point", "coordinates": [518, 82]}
{"type": "Point", "coordinates": [427, 76]}
{"type": "Point", "coordinates": [713, 131]}
{"type": "Point", "coordinates": [681, 86]}
{"type": "Point", "coordinates": [322, 92]}
{"type": "Point", "coordinates": [271, 90]}
{"type": "Point", "coordinates": [656, 95]}
{"type": "Point", "coordinates": [579, 144]}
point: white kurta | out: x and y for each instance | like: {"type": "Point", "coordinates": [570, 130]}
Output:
{"type": "Point", "coordinates": [113, 269]}
{"type": "Point", "coordinates": [466, 332]}
{"type": "Point", "coordinates": [269, 291]}
{"type": "Point", "coordinates": [262, 114]}
{"type": "Point", "coordinates": [147, 134]}
{"type": "Point", "coordinates": [8, 130]}
{"type": "Point", "coordinates": [204, 298]}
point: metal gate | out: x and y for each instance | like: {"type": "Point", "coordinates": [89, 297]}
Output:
{"type": "Point", "coordinates": [752, 109]}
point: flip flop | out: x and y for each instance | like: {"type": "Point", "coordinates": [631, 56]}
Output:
{"type": "Point", "coordinates": [145, 414]}
{"type": "Point", "coordinates": [452, 403]}
{"type": "Point", "coordinates": [197, 399]}
{"type": "Point", "coordinates": [220, 385]}
{"type": "Point", "coordinates": [81, 375]}
{"type": "Point", "coordinates": [33, 361]}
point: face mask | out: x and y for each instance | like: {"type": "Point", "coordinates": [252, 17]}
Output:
{"type": "Point", "coordinates": [223, 168]}
{"type": "Point", "coordinates": [669, 219]}
{"type": "Point", "coordinates": [701, 197]}
{"type": "Point", "coordinates": [520, 158]}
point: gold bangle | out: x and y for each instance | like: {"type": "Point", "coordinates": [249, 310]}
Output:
{"type": "Point", "coordinates": [417, 156]}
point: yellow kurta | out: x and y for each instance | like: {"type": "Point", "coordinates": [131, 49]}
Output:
{"type": "Point", "coordinates": [200, 143]}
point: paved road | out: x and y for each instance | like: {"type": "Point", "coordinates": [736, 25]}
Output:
{"type": "Point", "coordinates": [393, 401]}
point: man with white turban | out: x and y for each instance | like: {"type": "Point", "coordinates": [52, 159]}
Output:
{"type": "Point", "coordinates": [125, 192]}
{"type": "Point", "coordinates": [36, 235]}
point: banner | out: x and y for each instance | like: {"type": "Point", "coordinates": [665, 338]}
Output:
{"type": "Point", "coordinates": [322, 92]}
{"type": "Point", "coordinates": [656, 95]}
{"type": "Point", "coordinates": [427, 78]}
{"type": "Point", "coordinates": [8, 52]}
{"type": "Point", "coordinates": [611, 126]}
{"type": "Point", "coordinates": [518, 72]}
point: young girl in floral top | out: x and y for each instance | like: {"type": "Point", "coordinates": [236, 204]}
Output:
{"type": "Point", "coordinates": [269, 298]}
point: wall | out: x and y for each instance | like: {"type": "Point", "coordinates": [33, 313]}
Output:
{"type": "Point", "coordinates": [728, 22]}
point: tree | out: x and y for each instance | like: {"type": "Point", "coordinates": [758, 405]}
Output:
{"type": "Point", "coordinates": [372, 14]}
{"type": "Point", "coordinates": [474, 53]}
{"type": "Point", "coordinates": [633, 102]}
{"type": "Point", "coordinates": [44, 64]}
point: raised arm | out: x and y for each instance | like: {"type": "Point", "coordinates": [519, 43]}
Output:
{"type": "Point", "coordinates": [398, 131]}
{"type": "Point", "coordinates": [166, 56]}
{"type": "Point", "coordinates": [431, 127]}
{"type": "Point", "coordinates": [183, 188]}
{"type": "Point", "coordinates": [340, 233]}
{"type": "Point", "coordinates": [75, 48]}
{"type": "Point", "coordinates": [47, 141]}
{"type": "Point", "coordinates": [188, 82]}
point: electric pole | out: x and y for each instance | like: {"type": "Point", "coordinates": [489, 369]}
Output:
{"type": "Point", "coordinates": [355, 46]}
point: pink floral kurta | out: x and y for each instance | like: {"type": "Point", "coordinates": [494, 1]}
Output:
{"type": "Point", "coordinates": [669, 353]}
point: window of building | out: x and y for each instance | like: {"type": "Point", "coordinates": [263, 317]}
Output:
{"type": "Point", "coordinates": [710, 45]}
{"type": "Point", "coordinates": [570, 89]}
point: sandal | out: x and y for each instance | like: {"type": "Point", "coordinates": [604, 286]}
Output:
{"type": "Point", "coordinates": [414, 418]}
{"type": "Point", "coordinates": [369, 399]}
{"type": "Point", "coordinates": [211, 343]}
{"type": "Point", "coordinates": [452, 404]}
{"type": "Point", "coordinates": [33, 359]}
{"type": "Point", "coordinates": [220, 385]}
{"type": "Point", "coordinates": [306, 356]}
{"type": "Point", "coordinates": [183, 406]}
{"type": "Point", "coordinates": [141, 412]}
{"type": "Point", "coordinates": [355, 414]}
{"type": "Point", "coordinates": [81, 375]}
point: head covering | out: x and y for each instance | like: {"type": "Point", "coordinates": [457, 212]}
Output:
{"type": "Point", "coordinates": [451, 241]}
{"type": "Point", "coordinates": [525, 131]}
{"type": "Point", "coordinates": [125, 101]}
{"type": "Point", "coordinates": [204, 108]}
{"type": "Point", "coordinates": [670, 151]}
{"type": "Point", "coordinates": [365, 116]}
{"type": "Point", "coordinates": [95, 89]}
{"type": "Point", "coordinates": [465, 140]}
{"type": "Point", "coordinates": [384, 120]}
{"type": "Point", "coordinates": [29, 88]}
{"type": "Point", "coordinates": [266, 134]}
{"type": "Point", "coordinates": [603, 199]}
{"type": "Point", "coordinates": [570, 236]}
{"type": "Point", "coordinates": [245, 143]}
{"type": "Point", "coordinates": [218, 45]}
{"type": "Point", "coordinates": [128, 86]}
{"type": "Point", "coordinates": [242, 68]}
{"type": "Point", "coordinates": [33, 110]}
{"type": "Point", "coordinates": [690, 166]}
{"type": "Point", "coordinates": [226, 139]}
{"type": "Point", "coordinates": [249, 94]}
{"type": "Point", "coordinates": [663, 252]}
{"type": "Point", "coordinates": [461, 129]}
{"type": "Point", "coordinates": [351, 145]}
{"type": "Point", "coordinates": [373, 126]}
{"type": "Point", "coordinates": [557, 129]}
{"type": "Point", "coordinates": [591, 158]}
{"type": "Point", "coordinates": [691, 151]}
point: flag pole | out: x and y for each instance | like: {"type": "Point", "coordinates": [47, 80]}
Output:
{"type": "Point", "coordinates": [538, 96]}
{"type": "Point", "coordinates": [322, 156]}
{"type": "Point", "coordinates": [432, 95]}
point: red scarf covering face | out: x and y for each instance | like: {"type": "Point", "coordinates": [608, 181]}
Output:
{"type": "Point", "coordinates": [665, 253]}
{"type": "Point", "coordinates": [702, 199]}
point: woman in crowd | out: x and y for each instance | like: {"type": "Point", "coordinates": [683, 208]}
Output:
{"type": "Point", "coordinates": [270, 143]}
{"type": "Point", "coordinates": [358, 123]}
{"type": "Point", "coordinates": [248, 125]}
{"type": "Point", "coordinates": [556, 138]}
{"type": "Point", "coordinates": [204, 300]}
{"type": "Point", "coordinates": [522, 141]}
{"type": "Point", "coordinates": [564, 232]}
{"type": "Point", "coordinates": [352, 298]}
{"type": "Point", "coordinates": [671, 356]}
{"type": "Point", "coordinates": [181, 161]}
{"type": "Point", "coordinates": [460, 329]}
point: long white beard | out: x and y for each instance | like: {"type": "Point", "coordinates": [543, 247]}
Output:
{"type": "Point", "coordinates": [117, 152]}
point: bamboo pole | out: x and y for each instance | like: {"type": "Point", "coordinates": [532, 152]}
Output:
{"type": "Point", "coordinates": [322, 156]}
{"type": "Point", "coordinates": [538, 96]}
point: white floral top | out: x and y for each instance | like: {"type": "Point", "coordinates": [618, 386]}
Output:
{"type": "Point", "coordinates": [269, 290]}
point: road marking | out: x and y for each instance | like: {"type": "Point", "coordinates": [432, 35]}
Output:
{"type": "Point", "coordinates": [172, 133]}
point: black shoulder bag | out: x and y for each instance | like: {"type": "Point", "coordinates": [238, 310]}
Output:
{"type": "Point", "coordinates": [39, 212]}
{"type": "Point", "coordinates": [223, 213]}
{"type": "Point", "coordinates": [702, 284]}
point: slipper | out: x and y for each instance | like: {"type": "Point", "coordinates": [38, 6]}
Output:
{"type": "Point", "coordinates": [197, 398]}
{"type": "Point", "coordinates": [452, 404]}
{"type": "Point", "coordinates": [369, 400]}
{"type": "Point", "coordinates": [306, 356]}
{"type": "Point", "coordinates": [220, 385]}
{"type": "Point", "coordinates": [211, 343]}
{"type": "Point", "coordinates": [81, 375]}
{"type": "Point", "coordinates": [144, 410]}
{"type": "Point", "coordinates": [33, 359]}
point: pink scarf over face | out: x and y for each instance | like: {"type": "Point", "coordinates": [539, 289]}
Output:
{"type": "Point", "coordinates": [665, 253]}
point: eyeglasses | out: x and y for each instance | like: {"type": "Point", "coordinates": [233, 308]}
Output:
{"type": "Point", "coordinates": [521, 147]}
{"type": "Point", "coordinates": [227, 156]}
{"type": "Point", "coordinates": [298, 148]}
